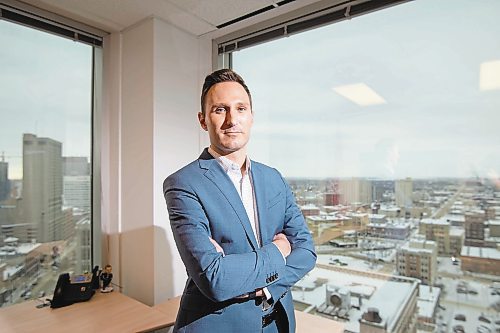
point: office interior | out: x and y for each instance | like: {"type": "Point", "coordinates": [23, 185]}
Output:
{"type": "Point", "coordinates": [152, 63]}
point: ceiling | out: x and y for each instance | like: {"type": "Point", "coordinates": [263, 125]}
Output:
{"type": "Point", "coordinates": [199, 17]}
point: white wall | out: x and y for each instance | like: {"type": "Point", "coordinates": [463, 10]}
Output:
{"type": "Point", "coordinates": [153, 75]}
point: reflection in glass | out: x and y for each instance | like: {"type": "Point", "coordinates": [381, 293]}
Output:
{"type": "Point", "coordinates": [386, 126]}
{"type": "Point", "coordinates": [45, 122]}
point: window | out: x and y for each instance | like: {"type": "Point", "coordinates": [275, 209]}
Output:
{"type": "Point", "coordinates": [46, 104]}
{"type": "Point", "coordinates": [390, 119]}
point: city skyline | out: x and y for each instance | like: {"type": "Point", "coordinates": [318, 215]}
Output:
{"type": "Point", "coordinates": [48, 95]}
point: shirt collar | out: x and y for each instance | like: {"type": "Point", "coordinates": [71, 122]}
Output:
{"type": "Point", "coordinates": [227, 164]}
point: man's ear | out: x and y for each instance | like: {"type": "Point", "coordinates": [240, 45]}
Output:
{"type": "Point", "coordinates": [201, 119]}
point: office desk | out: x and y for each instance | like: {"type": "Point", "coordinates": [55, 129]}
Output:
{"type": "Point", "coordinates": [169, 308]}
{"type": "Point", "coordinates": [111, 312]}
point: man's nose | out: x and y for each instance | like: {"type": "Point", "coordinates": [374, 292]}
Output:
{"type": "Point", "coordinates": [232, 117]}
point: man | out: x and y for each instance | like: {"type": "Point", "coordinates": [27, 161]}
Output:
{"type": "Point", "coordinates": [238, 230]}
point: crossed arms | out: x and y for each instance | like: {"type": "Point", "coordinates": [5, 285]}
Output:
{"type": "Point", "coordinates": [223, 277]}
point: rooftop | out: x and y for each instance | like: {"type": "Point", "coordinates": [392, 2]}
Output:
{"type": "Point", "coordinates": [388, 294]}
{"type": "Point", "coordinates": [480, 252]}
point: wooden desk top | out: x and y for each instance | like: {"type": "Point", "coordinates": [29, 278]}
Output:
{"type": "Point", "coordinates": [170, 309]}
{"type": "Point", "coordinates": [111, 312]}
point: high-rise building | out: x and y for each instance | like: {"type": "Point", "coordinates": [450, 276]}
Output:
{"type": "Point", "coordinates": [76, 183]}
{"type": "Point", "coordinates": [404, 192]}
{"type": "Point", "coordinates": [4, 180]}
{"type": "Point", "coordinates": [43, 186]}
{"type": "Point", "coordinates": [332, 199]}
{"type": "Point", "coordinates": [76, 192]}
{"type": "Point", "coordinates": [83, 234]}
{"type": "Point", "coordinates": [474, 228]}
{"type": "Point", "coordinates": [355, 190]}
{"type": "Point", "coordinates": [418, 259]}
{"type": "Point", "coordinates": [76, 166]}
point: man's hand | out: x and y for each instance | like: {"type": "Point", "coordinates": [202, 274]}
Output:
{"type": "Point", "coordinates": [218, 248]}
{"type": "Point", "coordinates": [283, 244]}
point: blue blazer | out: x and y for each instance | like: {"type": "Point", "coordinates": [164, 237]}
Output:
{"type": "Point", "coordinates": [203, 202]}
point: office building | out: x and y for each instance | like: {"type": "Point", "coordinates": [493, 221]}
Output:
{"type": "Point", "coordinates": [449, 239]}
{"type": "Point", "coordinates": [403, 189]}
{"type": "Point", "coordinates": [428, 307]}
{"type": "Point", "coordinates": [381, 190]}
{"type": "Point", "coordinates": [332, 199]}
{"type": "Point", "coordinates": [355, 191]}
{"type": "Point", "coordinates": [480, 260]}
{"type": "Point", "coordinates": [43, 186]}
{"type": "Point", "coordinates": [418, 259]}
{"type": "Point", "coordinates": [474, 227]}
{"type": "Point", "coordinates": [76, 166]}
{"type": "Point", "coordinates": [76, 192]}
{"type": "Point", "coordinates": [24, 232]}
{"type": "Point", "coordinates": [309, 210]}
{"type": "Point", "coordinates": [394, 230]}
{"type": "Point", "coordinates": [83, 235]}
{"type": "Point", "coordinates": [4, 180]}
{"type": "Point", "coordinates": [494, 228]}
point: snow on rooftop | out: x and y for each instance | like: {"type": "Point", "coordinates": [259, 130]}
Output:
{"type": "Point", "coordinates": [441, 221]}
{"type": "Point", "coordinates": [25, 248]}
{"type": "Point", "coordinates": [494, 222]}
{"type": "Point", "coordinates": [309, 206]}
{"type": "Point", "coordinates": [376, 216]}
{"type": "Point", "coordinates": [388, 294]}
{"type": "Point", "coordinates": [457, 218]}
{"type": "Point", "coordinates": [480, 252]}
{"type": "Point", "coordinates": [10, 271]}
{"type": "Point", "coordinates": [327, 218]}
{"type": "Point", "coordinates": [427, 302]}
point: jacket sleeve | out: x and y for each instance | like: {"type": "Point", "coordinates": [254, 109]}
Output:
{"type": "Point", "coordinates": [218, 277]}
{"type": "Point", "coordinates": [302, 258]}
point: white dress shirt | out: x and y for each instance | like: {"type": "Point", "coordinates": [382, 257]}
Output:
{"type": "Point", "coordinates": [244, 186]}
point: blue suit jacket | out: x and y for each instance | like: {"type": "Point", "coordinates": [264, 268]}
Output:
{"type": "Point", "coordinates": [203, 202]}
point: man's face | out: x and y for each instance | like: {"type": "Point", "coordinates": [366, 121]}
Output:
{"type": "Point", "coordinates": [228, 117]}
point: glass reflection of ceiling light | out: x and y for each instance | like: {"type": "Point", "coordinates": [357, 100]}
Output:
{"type": "Point", "coordinates": [360, 94]}
{"type": "Point", "coordinates": [489, 75]}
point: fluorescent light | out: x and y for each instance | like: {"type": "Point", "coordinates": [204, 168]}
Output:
{"type": "Point", "coordinates": [489, 75]}
{"type": "Point", "coordinates": [360, 94]}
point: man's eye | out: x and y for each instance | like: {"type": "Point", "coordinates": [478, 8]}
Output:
{"type": "Point", "coordinates": [242, 109]}
{"type": "Point", "coordinates": [219, 110]}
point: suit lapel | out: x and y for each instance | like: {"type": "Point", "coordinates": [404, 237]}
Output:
{"type": "Point", "coordinates": [215, 173]}
{"type": "Point", "coordinates": [259, 188]}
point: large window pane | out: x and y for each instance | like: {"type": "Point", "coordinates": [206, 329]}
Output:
{"type": "Point", "coordinates": [387, 128]}
{"type": "Point", "coordinates": [45, 156]}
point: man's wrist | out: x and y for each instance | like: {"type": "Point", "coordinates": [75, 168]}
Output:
{"type": "Point", "coordinates": [284, 258]}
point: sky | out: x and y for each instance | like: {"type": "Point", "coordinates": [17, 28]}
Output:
{"type": "Point", "coordinates": [45, 89]}
{"type": "Point", "coordinates": [422, 57]}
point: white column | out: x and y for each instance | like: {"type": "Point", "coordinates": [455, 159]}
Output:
{"type": "Point", "coordinates": [151, 131]}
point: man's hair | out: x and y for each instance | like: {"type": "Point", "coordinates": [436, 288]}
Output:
{"type": "Point", "coordinates": [221, 75]}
